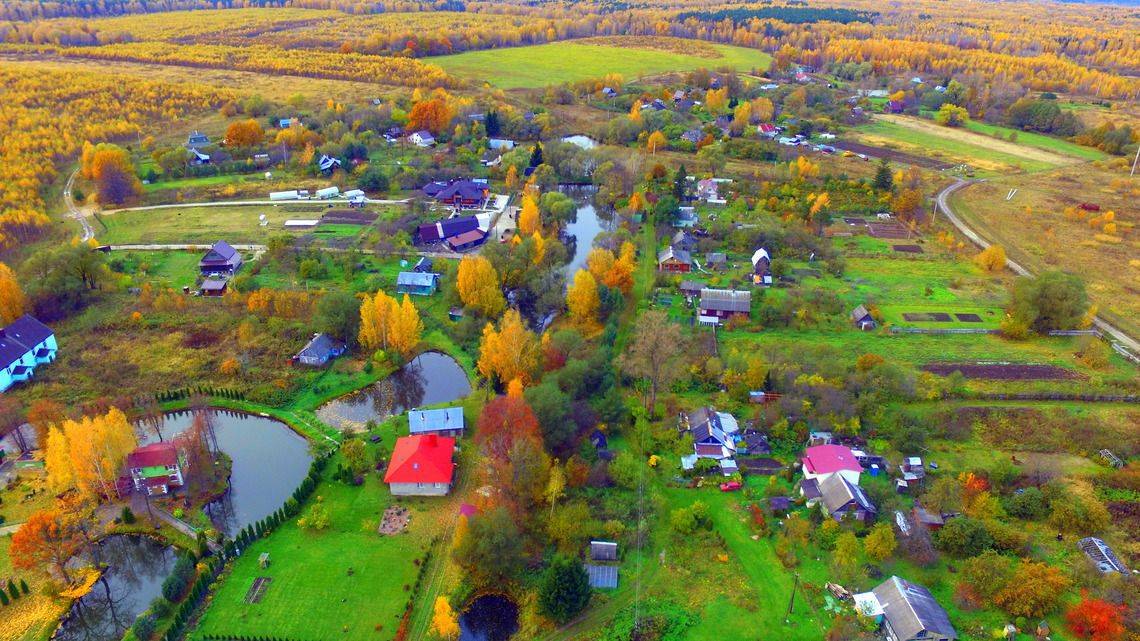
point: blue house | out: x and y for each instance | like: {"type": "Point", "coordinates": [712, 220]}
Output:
{"type": "Point", "coordinates": [417, 283]}
{"type": "Point", "coordinates": [24, 344]}
{"type": "Point", "coordinates": [320, 350]}
{"type": "Point", "coordinates": [447, 421]}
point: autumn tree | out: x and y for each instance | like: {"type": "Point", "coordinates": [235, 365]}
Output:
{"type": "Point", "coordinates": [908, 204]}
{"type": "Point", "coordinates": [653, 353]}
{"type": "Point", "coordinates": [12, 300]}
{"type": "Point", "coordinates": [46, 541]}
{"type": "Point", "coordinates": [110, 168]}
{"type": "Point", "coordinates": [991, 259]}
{"type": "Point", "coordinates": [1051, 300]}
{"type": "Point", "coordinates": [615, 273]}
{"type": "Point", "coordinates": [949, 115]}
{"type": "Point", "coordinates": [434, 114]}
{"type": "Point", "coordinates": [89, 453]}
{"type": "Point", "coordinates": [444, 620]}
{"type": "Point", "coordinates": [376, 314]}
{"type": "Point", "coordinates": [510, 352]}
{"type": "Point", "coordinates": [1033, 590]}
{"type": "Point", "coordinates": [529, 216]}
{"type": "Point", "coordinates": [42, 414]}
{"type": "Point", "coordinates": [1096, 619]}
{"type": "Point", "coordinates": [881, 542]}
{"type": "Point", "coordinates": [845, 559]}
{"type": "Point", "coordinates": [503, 420]}
{"type": "Point", "coordinates": [492, 550]}
{"type": "Point", "coordinates": [655, 141]}
{"type": "Point", "coordinates": [405, 328]}
{"type": "Point", "coordinates": [479, 287]}
{"type": "Point", "coordinates": [57, 461]}
{"type": "Point", "coordinates": [583, 302]}
{"type": "Point", "coordinates": [244, 133]}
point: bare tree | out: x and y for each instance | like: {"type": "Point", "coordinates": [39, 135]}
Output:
{"type": "Point", "coordinates": [654, 353]}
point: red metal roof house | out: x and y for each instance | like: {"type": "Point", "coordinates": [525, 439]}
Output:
{"type": "Point", "coordinates": [821, 461]}
{"type": "Point", "coordinates": [421, 466]}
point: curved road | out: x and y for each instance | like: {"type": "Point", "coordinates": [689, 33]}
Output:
{"type": "Point", "coordinates": [943, 200]}
{"type": "Point", "coordinates": [75, 212]}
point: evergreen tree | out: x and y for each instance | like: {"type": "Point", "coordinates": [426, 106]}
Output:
{"type": "Point", "coordinates": [3, 598]}
{"type": "Point", "coordinates": [884, 181]}
{"type": "Point", "coordinates": [679, 186]}
{"type": "Point", "coordinates": [565, 589]}
{"type": "Point", "coordinates": [536, 155]}
{"type": "Point", "coordinates": [24, 586]}
{"type": "Point", "coordinates": [13, 591]}
{"type": "Point", "coordinates": [492, 124]}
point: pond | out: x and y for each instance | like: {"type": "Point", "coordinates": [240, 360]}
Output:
{"type": "Point", "coordinates": [269, 461]}
{"type": "Point", "coordinates": [428, 379]}
{"type": "Point", "coordinates": [491, 617]}
{"type": "Point", "coordinates": [137, 566]}
{"type": "Point", "coordinates": [585, 228]}
{"type": "Point", "coordinates": [581, 140]}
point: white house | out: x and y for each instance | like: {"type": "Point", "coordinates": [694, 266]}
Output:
{"type": "Point", "coordinates": [24, 345]}
{"type": "Point", "coordinates": [422, 138]}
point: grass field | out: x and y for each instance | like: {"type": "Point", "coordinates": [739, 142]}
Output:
{"type": "Point", "coordinates": [234, 224]}
{"type": "Point", "coordinates": [1039, 141]}
{"type": "Point", "coordinates": [548, 64]}
{"type": "Point", "coordinates": [985, 153]}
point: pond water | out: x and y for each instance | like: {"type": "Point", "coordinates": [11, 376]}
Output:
{"type": "Point", "coordinates": [586, 226]}
{"type": "Point", "coordinates": [581, 140]}
{"type": "Point", "coordinates": [491, 617]}
{"type": "Point", "coordinates": [269, 461]}
{"type": "Point", "coordinates": [137, 568]}
{"type": "Point", "coordinates": [428, 379]}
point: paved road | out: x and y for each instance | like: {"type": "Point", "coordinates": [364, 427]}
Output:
{"type": "Point", "coordinates": [73, 211]}
{"type": "Point", "coordinates": [943, 200]}
{"type": "Point", "coordinates": [244, 203]}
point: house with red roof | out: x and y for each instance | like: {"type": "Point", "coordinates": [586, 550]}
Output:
{"type": "Point", "coordinates": [822, 461]}
{"type": "Point", "coordinates": [155, 469]}
{"type": "Point", "coordinates": [421, 466]}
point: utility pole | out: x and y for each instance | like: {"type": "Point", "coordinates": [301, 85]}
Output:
{"type": "Point", "coordinates": [1134, 161]}
{"type": "Point", "coordinates": [792, 599]}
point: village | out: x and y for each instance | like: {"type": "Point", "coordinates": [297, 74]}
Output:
{"type": "Point", "coordinates": [700, 352]}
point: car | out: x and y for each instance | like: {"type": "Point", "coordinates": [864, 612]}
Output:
{"type": "Point", "coordinates": [731, 486]}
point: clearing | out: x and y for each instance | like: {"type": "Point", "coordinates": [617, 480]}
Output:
{"type": "Point", "coordinates": [555, 63]}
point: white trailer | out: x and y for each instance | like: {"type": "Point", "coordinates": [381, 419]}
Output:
{"type": "Point", "coordinates": [354, 193]}
{"type": "Point", "coordinates": [328, 192]}
{"type": "Point", "coordinates": [284, 195]}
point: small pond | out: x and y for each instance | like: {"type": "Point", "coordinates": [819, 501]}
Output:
{"type": "Point", "coordinates": [581, 140]}
{"type": "Point", "coordinates": [586, 226]}
{"type": "Point", "coordinates": [428, 379]}
{"type": "Point", "coordinates": [269, 461]}
{"type": "Point", "coordinates": [137, 566]}
{"type": "Point", "coordinates": [491, 617]}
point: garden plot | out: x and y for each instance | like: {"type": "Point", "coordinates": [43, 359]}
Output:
{"type": "Point", "coordinates": [257, 590]}
{"type": "Point", "coordinates": [1005, 371]}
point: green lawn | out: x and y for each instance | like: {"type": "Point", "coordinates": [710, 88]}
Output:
{"type": "Point", "coordinates": [950, 149]}
{"type": "Point", "coordinates": [173, 269]}
{"type": "Point", "coordinates": [555, 63]}
{"type": "Point", "coordinates": [360, 579]}
{"type": "Point", "coordinates": [235, 224]}
{"type": "Point", "coordinates": [1041, 141]}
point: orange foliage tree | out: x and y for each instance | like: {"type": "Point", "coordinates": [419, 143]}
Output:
{"type": "Point", "coordinates": [244, 133]}
{"type": "Point", "coordinates": [510, 352]}
{"type": "Point", "coordinates": [46, 541]}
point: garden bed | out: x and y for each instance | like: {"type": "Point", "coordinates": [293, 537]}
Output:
{"type": "Point", "coordinates": [1004, 371]}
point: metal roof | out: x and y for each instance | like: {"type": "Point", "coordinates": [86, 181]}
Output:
{"type": "Point", "coordinates": [602, 576]}
{"type": "Point", "coordinates": [727, 300]}
{"type": "Point", "coordinates": [416, 279]}
{"type": "Point", "coordinates": [912, 610]}
{"type": "Point", "coordinates": [447, 418]}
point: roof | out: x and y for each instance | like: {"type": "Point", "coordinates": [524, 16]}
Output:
{"type": "Point", "coordinates": [1101, 555]}
{"type": "Point", "coordinates": [220, 250]}
{"type": "Point", "coordinates": [716, 257]}
{"type": "Point", "coordinates": [726, 300]}
{"type": "Point", "coordinates": [826, 459]}
{"type": "Point", "coordinates": [859, 313]}
{"type": "Point", "coordinates": [321, 346]}
{"type": "Point", "coordinates": [424, 134]}
{"type": "Point", "coordinates": [691, 286]}
{"type": "Point", "coordinates": [424, 264]}
{"type": "Point", "coordinates": [760, 254]}
{"type": "Point", "coordinates": [810, 489]}
{"type": "Point", "coordinates": [213, 285]}
{"type": "Point", "coordinates": [421, 459]}
{"type": "Point", "coordinates": [912, 610]}
{"type": "Point", "coordinates": [466, 237]}
{"type": "Point", "coordinates": [779, 503]}
{"type": "Point", "coordinates": [447, 418]}
{"type": "Point", "coordinates": [836, 492]}
{"type": "Point", "coordinates": [463, 189]}
{"type": "Point", "coordinates": [417, 279]}
{"type": "Point", "coordinates": [603, 551]}
{"type": "Point", "coordinates": [679, 255]}
{"type": "Point", "coordinates": [161, 454]}
{"type": "Point", "coordinates": [20, 337]}
{"type": "Point", "coordinates": [602, 576]}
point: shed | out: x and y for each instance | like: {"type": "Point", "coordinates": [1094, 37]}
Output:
{"type": "Point", "coordinates": [725, 303]}
{"type": "Point", "coordinates": [779, 504]}
{"type": "Point", "coordinates": [674, 260]}
{"type": "Point", "coordinates": [862, 318]}
{"type": "Point", "coordinates": [467, 240]}
{"type": "Point", "coordinates": [604, 577]}
{"type": "Point", "coordinates": [213, 287]}
{"type": "Point", "coordinates": [910, 612]}
{"type": "Point", "coordinates": [603, 551]}
{"type": "Point", "coordinates": [263, 560]}
{"type": "Point", "coordinates": [320, 349]}
{"type": "Point", "coordinates": [446, 421]}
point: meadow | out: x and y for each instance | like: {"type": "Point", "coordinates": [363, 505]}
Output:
{"type": "Point", "coordinates": [542, 65]}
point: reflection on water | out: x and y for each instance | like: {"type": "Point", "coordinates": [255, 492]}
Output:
{"type": "Point", "coordinates": [428, 379]}
{"type": "Point", "coordinates": [586, 226]}
{"type": "Point", "coordinates": [137, 568]}
{"type": "Point", "coordinates": [491, 617]}
{"type": "Point", "coordinates": [269, 461]}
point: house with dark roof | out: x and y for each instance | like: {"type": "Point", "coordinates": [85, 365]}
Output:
{"type": "Point", "coordinates": [423, 265]}
{"type": "Point", "coordinates": [155, 469]}
{"type": "Point", "coordinates": [221, 259]}
{"type": "Point", "coordinates": [25, 344]}
{"type": "Point", "coordinates": [674, 260]}
{"type": "Point", "coordinates": [417, 283]}
{"type": "Point", "coordinates": [716, 260]}
{"type": "Point", "coordinates": [328, 164]}
{"type": "Point", "coordinates": [602, 577]}
{"type": "Point", "coordinates": [839, 498]}
{"type": "Point", "coordinates": [320, 349]}
{"type": "Point", "coordinates": [693, 135]}
{"type": "Point", "coordinates": [197, 139]}
{"type": "Point", "coordinates": [691, 287]}
{"type": "Point", "coordinates": [683, 240]}
{"type": "Point", "coordinates": [467, 240]}
{"type": "Point", "coordinates": [712, 432]}
{"type": "Point", "coordinates": [721, 304]}
{"type": "Point", "coordinates": [445, 421]}
{"type": "Point", "coordinates": [460, 194]}
{"type": "Point", "coordinates": [444, 229]}
{"type": "Point", "coordinates": [421, 465]}
{"type": "Point", "coordinates": [907, 611]}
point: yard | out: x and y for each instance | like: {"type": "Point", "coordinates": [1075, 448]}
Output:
{"type": "Point", "coordinates": [32, 617]}
{"type": "Point", "coordinates": [555, 63]}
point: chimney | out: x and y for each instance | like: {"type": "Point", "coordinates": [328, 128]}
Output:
{"type": "Point", "coordinates": [431, 440]}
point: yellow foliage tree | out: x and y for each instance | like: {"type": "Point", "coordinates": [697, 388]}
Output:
{"type": "Point", "coordinates": [600, 261]}
{"type": "Point", "coordinates": [479, 287]}
{"type": "Point", "coordinates": [636, 202]}
{"type": "Point", "coordinates": [12, 300]}
{"type": "Point", "coordinates": [655, 141]}
{"type": "Point", "coordinates": [444, 621]}
{"type": "Point", "coordinates": [716, 99]}
{"type": "Point", "coordinates": [763, 109]}
{"type": "Point", "coordinates": [376, 314]}
{"type": "Point", "coordinates": [510, 352]}
{"type": "Point", "coordinates": [57, 461]}
{"type": "Point", "coordinates": [230, 367]}
{"type": "Point", "coordinates": [583, 302]}
{"type": "Point", "coordinates": [405, 328]}
{"type": "Point", "coordinates": [991, 259]}
{"type": "Point", "coordinates": [529, 217]}
{"type": "Point", "coordinates": [539, 248]}
{"type": "Point", "coordinates": [512, 177]}
{"type": "Point", "coordinates": [89, 453]}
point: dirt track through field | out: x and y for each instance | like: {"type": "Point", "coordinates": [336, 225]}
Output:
{"type": "Point", "coordinates": [986, 142]}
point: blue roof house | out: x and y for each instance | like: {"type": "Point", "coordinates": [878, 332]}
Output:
{"type": "Point", "coordinates": [24, 344]}
{"type": "Point", "coordinates": [447, 421]}
{"type": "Point", "coordinates": [319, 351]}
{"type": "Point", "coordinates": [417, 283]}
